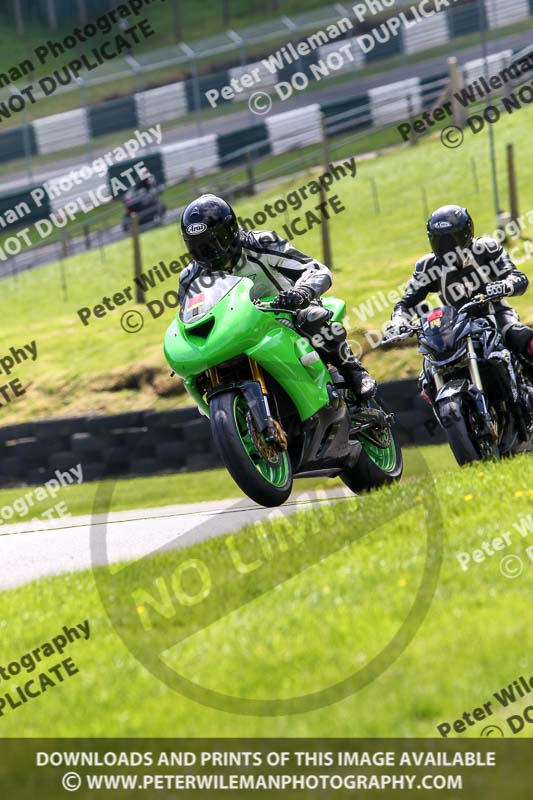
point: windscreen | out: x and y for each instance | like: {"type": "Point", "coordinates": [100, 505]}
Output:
{"type": "Point", "coordinates": [441, 329]}
{"type": "Point", "coordinates": [204, 293]}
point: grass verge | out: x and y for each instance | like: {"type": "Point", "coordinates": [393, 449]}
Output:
{"type": "Point", "coordinates": [307, 620]}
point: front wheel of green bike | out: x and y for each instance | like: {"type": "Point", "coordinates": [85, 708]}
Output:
{"type": "Point", "coordinates": [261, 471]}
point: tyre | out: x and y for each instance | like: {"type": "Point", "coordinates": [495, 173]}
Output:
{"type": "Point", "coordinates": [262, 472]}
{"type": "Point", "coordinates": [378, 464]}
{"type": "Point", "coordinates": [452, 415]}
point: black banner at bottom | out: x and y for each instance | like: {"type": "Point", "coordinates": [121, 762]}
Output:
{"type": "Point", "coordinates": [473, 769]}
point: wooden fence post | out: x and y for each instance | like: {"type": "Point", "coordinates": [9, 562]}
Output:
{"type": "Point", "coordinates": [513, 188]}
{"type": "Point", "coordinates": [250, 182]}
{"type": "Point", "coordinates": [455, 85]}
{"type": "Point", "coordinates": [137, 259]}
{"type": "Point", "coordinates": [327, 255]}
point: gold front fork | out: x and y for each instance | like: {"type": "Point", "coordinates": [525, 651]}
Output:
{"type": "Point", "coordinates": [278, 432]}
{"type": "Point", "coordinates": [257, 375]}
{"type": "Point", "coordinates": [213, 376]}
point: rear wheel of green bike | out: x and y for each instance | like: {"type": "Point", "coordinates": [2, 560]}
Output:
{"type": "Point", "coordinates": [380, 462]}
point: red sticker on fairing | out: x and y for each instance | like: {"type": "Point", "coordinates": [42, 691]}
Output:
{"type": "Point", "coordinates": [437, 314]}
{"type": "Point", "coordinates": [195, 302]}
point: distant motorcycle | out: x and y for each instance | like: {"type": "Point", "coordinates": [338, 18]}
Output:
{"type": "Point", "coordinates": [480, 393]}
{"type": "Point", "coordinates": [146, 204]}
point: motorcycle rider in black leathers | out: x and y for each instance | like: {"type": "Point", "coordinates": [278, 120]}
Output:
{"type": "Point", "coordinates": [460, 267]}
{"type": "Point", "coordinates": [216, 243]}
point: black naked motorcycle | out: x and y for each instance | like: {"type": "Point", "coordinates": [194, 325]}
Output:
{"type": "Point", "coordinates": [480, 393]}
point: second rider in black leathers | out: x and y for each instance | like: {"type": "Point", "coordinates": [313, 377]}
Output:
{"type": "Point", "coordinates": [460, 267]}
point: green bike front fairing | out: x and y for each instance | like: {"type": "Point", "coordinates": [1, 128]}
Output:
{"type": "Point", "coordinates": [218, 323]}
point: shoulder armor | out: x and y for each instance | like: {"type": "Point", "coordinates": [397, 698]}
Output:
{"type": "Point", "coordinates": [486, 244]}
{"type": "Point", "coordinates": [260, 239]}
{"type": "Point", "coordinates": [188, 270]}
{"type": "Point", "coordinates": [424, 263]}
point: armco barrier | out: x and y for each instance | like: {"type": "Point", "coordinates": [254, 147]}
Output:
{"type": "Point", "coordinates": [176, 100]}
{"type": "Point", "coordinates": [149, 442]}
{"type": "Point", "coordinates": [277, 133]}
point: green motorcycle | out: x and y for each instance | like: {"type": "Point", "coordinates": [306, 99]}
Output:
{"type": "Point", "coordinates": [276, 411]}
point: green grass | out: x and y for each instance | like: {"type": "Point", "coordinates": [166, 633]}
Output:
{"type": "Point", "coordinates": [373, 250]}
{"type": "Point", "coordinates": [195, 487]}
{"type": "Point", "coordinates": [303, 620]}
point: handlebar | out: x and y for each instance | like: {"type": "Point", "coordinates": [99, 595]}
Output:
{"type": "Point", "coordinates": [413, 328]}
{"type": "Point", "coordinates": [271, 307]}
{"type": "Point", "coordinates": [476, 302]}
{"type": "Point", "coordinates": [395, 339]}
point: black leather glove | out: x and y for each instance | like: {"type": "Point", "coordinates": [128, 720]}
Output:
{"type": "Point", "coordinates": [292, 299]}
{"type": "Point", "coordinates": [498, 289]}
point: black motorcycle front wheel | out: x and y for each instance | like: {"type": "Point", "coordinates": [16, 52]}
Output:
{"type": "Point", "coordinates": [454, 416]}
{"type": "Point", "coordinates": [261, 471]}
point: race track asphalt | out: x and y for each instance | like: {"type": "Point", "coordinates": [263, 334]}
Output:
{"type": "Point", "coordinates": [30, 551]}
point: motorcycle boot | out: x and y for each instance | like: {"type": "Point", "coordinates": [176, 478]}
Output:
{"type": "Point", "coordinates": [330, 341]}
